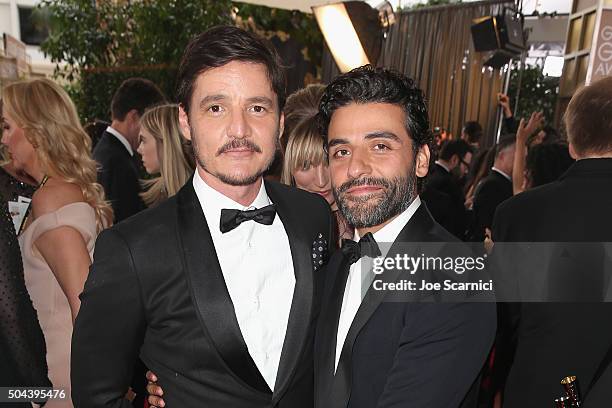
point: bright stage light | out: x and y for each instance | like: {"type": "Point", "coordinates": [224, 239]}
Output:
{"type": "Point", "coordinates": [352, 31]}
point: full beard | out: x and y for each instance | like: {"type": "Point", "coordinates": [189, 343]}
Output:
{"type": "Point", "coordinates": [370, 210]}
{"type": "Point", "coordinates": [233, 179]}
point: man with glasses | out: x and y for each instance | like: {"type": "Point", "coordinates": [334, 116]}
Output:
{"type": "Point", "coordinates": [445, 177]}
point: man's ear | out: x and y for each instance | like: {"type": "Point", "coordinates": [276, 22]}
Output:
{"type": "Point", "coordinates": [422, 161]}
{"type": "Point", "coordinates": [132, 119]}
{"type": "Point", "coordinates": [572, 152]}
{"type": "Point", "coordinates": [184, 123]}
{"type": "Point", "coordinates": [281, 125]}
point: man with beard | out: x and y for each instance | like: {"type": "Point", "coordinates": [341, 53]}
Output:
{"type": "Point", "coordinates": [215, 288]}
{"type": "Point", "coordinates": [371, 351]}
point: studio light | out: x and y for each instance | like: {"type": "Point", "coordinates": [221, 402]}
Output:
{"type": "Point", "coordinates": [353, 31]}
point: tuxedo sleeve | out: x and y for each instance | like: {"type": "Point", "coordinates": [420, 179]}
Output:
{"type": "Point", "coordinates": [486, 201]}
{"type": "Point", "coordinates": [109, 328]}
{"type": "Point", "coordinates": [441, 353]}
{"type": "Point", "coordinates": [122, 188]}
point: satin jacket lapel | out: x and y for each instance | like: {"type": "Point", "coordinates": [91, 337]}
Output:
{"type": "Point", "coordinates": [327, 328]}
{"type": "Point", "coordinates": [414, 231]}
{"type": "Point", "coordinates": [209, 292]}
{"type": "Point", "coordinates": [300, 314]}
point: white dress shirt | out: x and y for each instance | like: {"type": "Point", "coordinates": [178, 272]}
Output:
{"type": "Point", "coordinates": [502, 173]}
{"type": "Point", "coordinates": [122, 139]}
{"type": "Point", "coordinates": [439, 163]}
{"type": "Point", "coordinates": [258, 270]}
{"type": "Point", "coordinates": [353, 293]}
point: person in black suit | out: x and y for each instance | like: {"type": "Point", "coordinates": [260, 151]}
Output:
{"type": "Point", "coordinates": [554, 340]}
{"type": "Point", "coordinates": [444, 177]}
{"type": "Point", "coordinates": [216, 288]}
{"type": "Point", "coordinates": [494, 189]}
{"type": "Point", "coordinates": [115, 152]}
{"type": "Point", "coordinates": [371, 351]}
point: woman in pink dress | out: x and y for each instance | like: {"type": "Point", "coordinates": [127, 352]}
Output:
{"type": "Point", "coordinates": [46, 141]}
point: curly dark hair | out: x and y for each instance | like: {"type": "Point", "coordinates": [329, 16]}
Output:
{"type": "Point", "coordinates": [545, 163]}
{"type": "Point", "coordinates": [367, 84]}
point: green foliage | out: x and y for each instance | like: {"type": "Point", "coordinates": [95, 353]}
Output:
{"type": "Point", "coordinates": [431, 3]}
{"type": "Point", "coordinates": [94, 92]}
{"type": "Point", "coordinates": [538, 92]}
{"type": "Point", "coordinates": [300, 26]}
{"type": "Point", "coordinates": [96, 44]}
{"type": "Point", "coordinates": [100, 43]}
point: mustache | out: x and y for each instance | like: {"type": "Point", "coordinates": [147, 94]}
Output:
{"type": "Point", "coordinates": [370, 181]}
{"type": "Point", "coordinates": [238, 143]}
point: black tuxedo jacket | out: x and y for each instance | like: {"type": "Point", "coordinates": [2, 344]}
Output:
{"type": "Point", "coordinates": [440, 181]}
{"type": "Point", "coordinates": [119, 175]}
{"type": "Point", "coordinates": [400, 354]}
{"type": "Point", "coordinates": [554, 340]}
{"type": "Point", "coordinates": [156, 290]}
{"type": "Point", "coordinates": [491, 192]}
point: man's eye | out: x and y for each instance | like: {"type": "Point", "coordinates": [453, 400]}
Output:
{"type": "Point", "coordinates": [381, 146]}
{"type": "Point", "coordinates": [214, 109]}
{"type": "Point", "coordinates": [341, 153]}
{"type": "Point", "coordinates": [258, 109]}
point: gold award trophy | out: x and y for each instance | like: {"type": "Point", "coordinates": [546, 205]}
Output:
{"type": "Point", "coordinates": [572, 393]}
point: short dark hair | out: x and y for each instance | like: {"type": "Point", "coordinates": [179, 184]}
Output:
{"type": "Point", "coordinates": [455, 147]}
{"type": "Point", "coordinates": [587, 118]}
{"type": "Point", "coordinates": [551, 135]}
{"type": "Point", "coordinates": [547, 162]}
{"type": "Point", "coordinates": [378, 85]}
{"type": "Point", "coordinates": [504, 142]}
{"type": "Point", "coordinates": [221, 45]}
{"type": "Point", "coordinates": [473, 130]}
{"type": "Point", "coordinates": [135, 93]}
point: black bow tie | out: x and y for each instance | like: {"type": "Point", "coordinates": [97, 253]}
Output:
{"type": "Point", "coordinates": [366, 246]}
{"type": "Point", "coordinates": [230, 219]}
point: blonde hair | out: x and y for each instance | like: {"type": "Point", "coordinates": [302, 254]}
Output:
{"type": "Point", "coordinates": [301, 105]}
{"type": "Point", "coordinates": [305, 148]}
{"type": "Point", "coordinates": [51, 124]}
{"type": "Point", "coordinates": [176, 161]}
{"type": "Point", "coordinates": [4, 156]}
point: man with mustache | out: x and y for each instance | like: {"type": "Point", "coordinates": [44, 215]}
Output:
{"type": "Point", "coordinates": [216, 288]}
{"type": "Point", "coordinates": [371, 351]}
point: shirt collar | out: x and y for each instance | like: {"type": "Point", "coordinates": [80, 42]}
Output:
{"type": "Point", "coordinates": [122, 139]}
{"type": "Point", "coordinates": [502, 173]}
{"type": "Point", "coordinates": [439, 163]}
{"type": "Point", "coordinates": [389, 233]}
{"type": "Point", "coordinates": [213, 202]}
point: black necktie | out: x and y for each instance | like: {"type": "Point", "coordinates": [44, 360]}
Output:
{"type": "Point", "coordinates": [230, 219]}
{"type": "Point", "coordinates": [366, 246]}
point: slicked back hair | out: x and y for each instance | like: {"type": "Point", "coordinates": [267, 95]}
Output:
{"type": "Point", "coordinates": [457, 147]}
{"type": "Point", "coordinates": [221, 45]}
{"type": "Point", "coordinates": [135, 93]}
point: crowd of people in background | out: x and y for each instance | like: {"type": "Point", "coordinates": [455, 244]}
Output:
{"type": "Point", "coordinates": [143, 157]}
